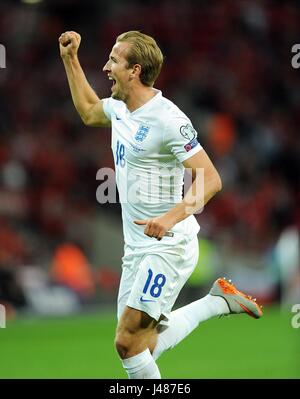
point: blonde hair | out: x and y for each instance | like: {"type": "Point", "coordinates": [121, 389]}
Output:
{"type": "Point", "coordinates": [145, 52]}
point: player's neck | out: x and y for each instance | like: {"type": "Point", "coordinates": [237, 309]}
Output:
{"type": "Point", "coordinates": [139, 96]}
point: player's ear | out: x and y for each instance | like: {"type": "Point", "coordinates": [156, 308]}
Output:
{"type": "Point", "coordinates": [136, 71]}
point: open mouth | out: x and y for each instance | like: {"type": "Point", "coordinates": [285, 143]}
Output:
{"type": "Point", "coordinates": [113, 82]}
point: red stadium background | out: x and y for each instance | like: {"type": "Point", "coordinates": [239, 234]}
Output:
{"type": "Point", "coordinates": [228, 65]}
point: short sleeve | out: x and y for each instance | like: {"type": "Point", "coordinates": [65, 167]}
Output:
{"type": "Point", "coordinates": [107, 107]}
{"type": "Point", "coordinates": [181, 138]}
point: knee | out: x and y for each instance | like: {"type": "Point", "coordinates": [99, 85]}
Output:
{"type": "Point", "coordinates": [124, 342]}
{"type": "Point", "coordinates": [134, 331]}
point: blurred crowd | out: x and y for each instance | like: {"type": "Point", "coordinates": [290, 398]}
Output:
{"type": "Point", "coordinates": [227, 66]}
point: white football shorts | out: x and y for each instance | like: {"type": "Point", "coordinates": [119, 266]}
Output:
{"type": "Point", "coordinates": [152, 278]}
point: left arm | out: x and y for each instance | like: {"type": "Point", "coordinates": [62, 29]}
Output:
{"type": "Point", "coordinates": [203, 173]}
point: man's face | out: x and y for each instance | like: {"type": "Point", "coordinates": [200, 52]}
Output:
{"type": "Point", "coordinates": [118, 71]}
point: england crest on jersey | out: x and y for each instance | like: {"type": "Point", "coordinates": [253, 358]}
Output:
{"type": "Point", "coordinates": [142, 133]}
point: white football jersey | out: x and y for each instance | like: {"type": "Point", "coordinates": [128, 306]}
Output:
{"type": "Point", "coordinates": [149, 146]}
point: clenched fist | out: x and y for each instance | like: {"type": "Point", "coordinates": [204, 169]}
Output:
{"type": "Point", "coordinates": [69, 43]}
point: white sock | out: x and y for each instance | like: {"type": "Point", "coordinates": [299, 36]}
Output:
{"type": "Point", "coordinates": [185, 319]}
{"type": "Point", "coordinates": [141, 366]}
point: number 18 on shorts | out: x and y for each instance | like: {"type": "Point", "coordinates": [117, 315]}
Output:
{"type": "Point", "coordinates": [158, 282]}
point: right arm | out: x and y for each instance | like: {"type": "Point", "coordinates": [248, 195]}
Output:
{"type": "Point", "coordinates": [87, 103]}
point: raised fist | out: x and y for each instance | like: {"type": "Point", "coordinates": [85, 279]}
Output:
{"type": "Point", "coordinates": [69, 43]}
